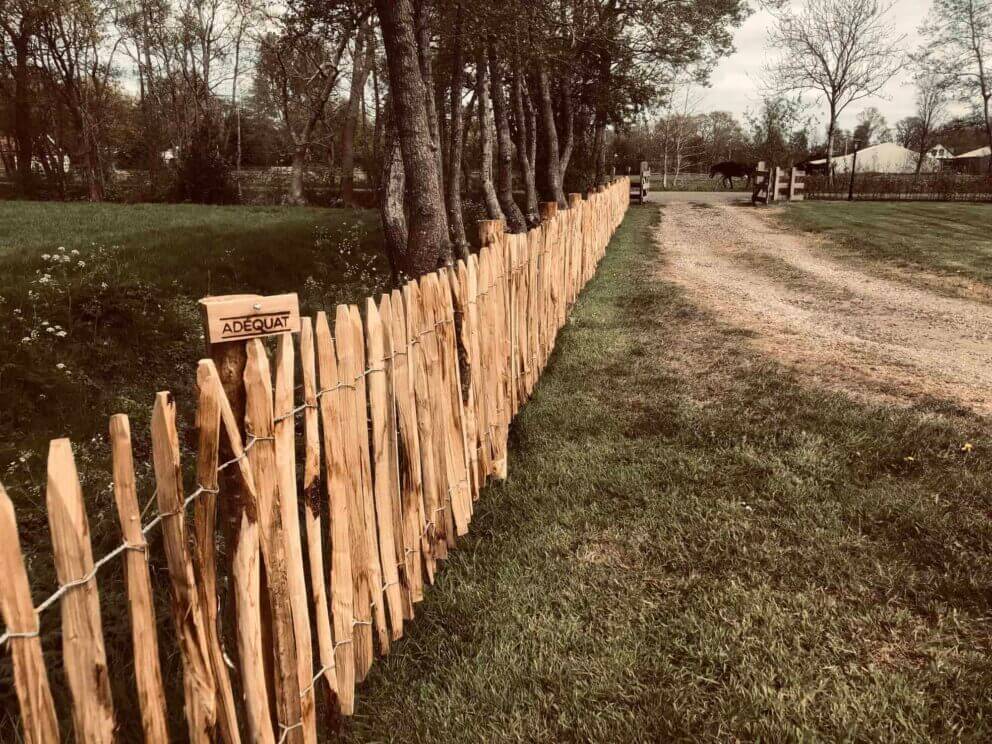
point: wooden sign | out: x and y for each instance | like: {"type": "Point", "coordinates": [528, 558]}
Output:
{"type": "Point", "coordinates": [240, 317]}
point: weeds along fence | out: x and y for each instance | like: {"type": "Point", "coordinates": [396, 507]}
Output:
{"type": "Point", "coordinates": [400, 419]}
{"type": "Point", "coordinates": [940, 186]}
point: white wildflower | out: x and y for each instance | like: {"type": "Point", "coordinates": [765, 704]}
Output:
{"type": "Point", "coordinates": [26, 340]}
{"type": "Point", "coordinates": [81, 264]}
{"type": "Point", "coordinates": [60, 366]}
{"type": "Point", "coordinates": [74, 252]}
{"type": "Point", "coordinates": [61, 334]}
{"type": "Point", "coordinates": [45, 256]}
{"type": "Point", "coordinates": [61, 249]}
{"type": "Point", "coordinates": [50, 329]}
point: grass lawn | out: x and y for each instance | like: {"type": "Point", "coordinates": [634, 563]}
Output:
{"type": "Point", "coordinates": [950, 238]}
{"type": "Point", "coordinates": [118, 286]}
{"type": "Point", "coordinates": [695, 182]}
{"type": "Point", "coordinates": [692, 545]}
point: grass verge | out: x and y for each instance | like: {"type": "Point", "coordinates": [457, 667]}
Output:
{"type": "Point", "coordinates": [949, 238]}
{"type": "Point", "coordinates": [692, 545]}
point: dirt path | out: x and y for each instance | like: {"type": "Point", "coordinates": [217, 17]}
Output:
{"type": "Point", "coordinates": [874, 337]}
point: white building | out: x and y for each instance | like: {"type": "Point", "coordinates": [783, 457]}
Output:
{"type": "Point", "coordinates": [887, 157]}
{"type": "Point", "coordinates": [940, 152]}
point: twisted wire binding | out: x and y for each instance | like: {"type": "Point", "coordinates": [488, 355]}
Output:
{"type": "Point", "coordinates": [200, 491]}
{"type": "Point", "coordinates": [125, 546]}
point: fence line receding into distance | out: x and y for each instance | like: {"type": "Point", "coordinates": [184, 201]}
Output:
{"type": "Point", "coordinates": [404, 415]}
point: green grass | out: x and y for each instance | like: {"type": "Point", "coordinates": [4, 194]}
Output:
{"type": "Point", "coordinates": [132, 327]}
{"type": "Point", "coordinates": [130, 318]}
{"type": "Point", "coordinates": [696, 182]}
{"type": "Point", "coordinates": [949, 238]}
{"type": "Point", "coordinates": [692, 545]}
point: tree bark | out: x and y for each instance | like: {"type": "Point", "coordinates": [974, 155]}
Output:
{"type": "Point", "coordinates": [525, 144]}
{"type": "Point", "coordinates": [359, 74]}
{"type": "Point", "coordinates": [428, 240]}
{"type": "Point", "coordinates": [493, 209]}
{"type": "Point", "coordinates": [427, 73]}
{"type": "Point", "coordinates": [393, 186]}
{"type": "Point", "coordinates": [568, 115]}
{"type": "Point", "coordinates": [550, 136]}
{"type": "Point", "coordinates": [456, 222]}
{"type": "Point", "coordinates": [515, 222]}
{"type": "Point", "coordinates": [297, 195]}
{"type": "Point", "coordinates": [22, 116]}
{"type": "Point", "coordinates": [831, 130]}
{"type": "Point", "coordinates": [988, 128]}
{"type": "Point", "coordinates": [599, 151]}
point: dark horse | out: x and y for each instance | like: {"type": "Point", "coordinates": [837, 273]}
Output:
{"type": "Point", "coordinates": [729, 170]}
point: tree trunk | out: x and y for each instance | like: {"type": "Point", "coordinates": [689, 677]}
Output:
{"type": "Point", "coordinates": [599, 148]}
{"type": "Point", "coordinates": [456, 222]}
{"type": "Point", "coordinates": [427, 240]}
{"type": "Point", "coordinates": [550, 135]}
{"type": "Point", "coordinates": [22, 117]}
{"type": "Point", "coordinates": [493, 209]}
{"type": "Point", "coordinates": [831, 126]}
{"type": "Point", "coordinates": [427, 74]}
{"type": "Point", "coordinates": [359, 74]}
{"type": "Point", "coordinates": [524, 132]}
{"type": "Point", "coordinates": [515, 222]}
{"type": "Point", "coordinates": [569, 117]}
{"type": "Point", "coordinates": [393, 185]}
{"type": "Point", "coordinates": [988, 129]}
{"type": "Point", "coordinates": [296, 194]}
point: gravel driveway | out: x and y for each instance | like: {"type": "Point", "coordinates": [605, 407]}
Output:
{"type": "Point", "coordinates": [839, 326]}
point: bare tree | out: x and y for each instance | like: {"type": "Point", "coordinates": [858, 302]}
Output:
{"type": "Point", "coordinates": [493, 208]}
{"type": "Point", "coordinates": [362, 61]}
{"type": "Point", "coordinates": [298, 71]}
{"type": "Point", "coordinates": [960, 34]}
{"type": "Point", "coordinates": [77, 51]}
{"type": "Point", "coordinates": [678, 129]}
{"type": "Point", "coordinates": [931, 106]}
{"type": "Point", "coordinates": [844, 50]}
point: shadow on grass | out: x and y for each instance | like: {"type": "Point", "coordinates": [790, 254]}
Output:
{"type": "Point", "coordinates": [692, 545]}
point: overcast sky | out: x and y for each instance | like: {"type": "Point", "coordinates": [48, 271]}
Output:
{"type": "Point", "coordinates": [736, 82]}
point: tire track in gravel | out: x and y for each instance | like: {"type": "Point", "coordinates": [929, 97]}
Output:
{"type": "Point", "coordinates": [839, 327]}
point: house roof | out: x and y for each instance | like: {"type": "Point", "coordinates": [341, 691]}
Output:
{"type": "Point", "coordinates": [883, 150]}
{"type": "Point", "coordinates": [981, 152]}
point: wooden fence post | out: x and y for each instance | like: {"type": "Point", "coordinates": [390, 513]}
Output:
{"type": "Point", "coordinates": [262, 456]}
{"type": "Point", "coordinates": [312, 499]}
{"type": "Point", "coordinates": [333, 412]}
{"type": "Point", "coordinates": [285, 446]}
{"type": "Point", "coordinates": [400, 542]}
{"type": "Point", "coordinates": [144, 636]}
{"type": "Point", "coordinates": [361, 551]}
{"type": "Point", "coordinates": [385, 472]}
{"type": "Point", "coordinates": [83, 652]}
{"type": "Point", "coordinates": [411, 483]}
{"type": "Point", "coordinates": [38, 721]}
{"type": "Point", "coordinates": [368, 497]}
{"type": "Point", "coordinates": [198, 675]}
{"type": "Point", "coordinates": [245, 566]}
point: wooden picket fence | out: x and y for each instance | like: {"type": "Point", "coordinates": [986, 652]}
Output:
{"type": "Point", "coordinates": [778, 184]}
{"type": "Point", "coordinates": [404, 415]}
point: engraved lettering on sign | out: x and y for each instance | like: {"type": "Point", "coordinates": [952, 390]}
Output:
{"type": "Point", "coordinates": [254, 325]}
{"type": "Point", "coordinates": [240, 317]}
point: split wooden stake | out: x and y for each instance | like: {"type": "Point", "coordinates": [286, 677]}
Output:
{"type": "Point", "coordinates": [144, 636]}
{"type": "Point", "coordinates": [38, 721]}
{"type": "Point", "coordinates": [83, 652]}
{"type": "Point", "coordinates": [333, 411]}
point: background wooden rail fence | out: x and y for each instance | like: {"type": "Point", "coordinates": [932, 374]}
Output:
{"type": "Point", "coordinates": [404, 416]}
